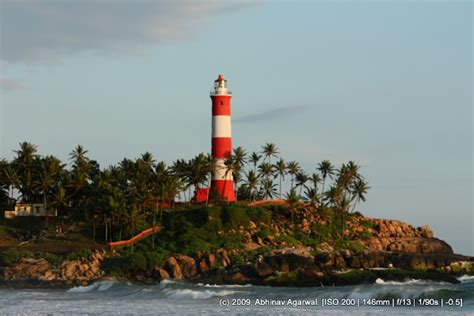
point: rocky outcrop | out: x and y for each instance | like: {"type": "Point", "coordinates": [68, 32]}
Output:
{"type": "Point", "coordinates": [69, 272]}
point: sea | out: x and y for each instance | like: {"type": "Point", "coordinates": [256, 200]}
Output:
{"type": "Point", "coordinates": [111, 297]}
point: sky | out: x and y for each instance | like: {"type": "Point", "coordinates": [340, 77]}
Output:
{"type": "Point", "coordinates": [387, 84]}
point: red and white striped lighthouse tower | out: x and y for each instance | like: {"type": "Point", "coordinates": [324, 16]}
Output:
{"type": "Point", "coordinates": [222, 181]}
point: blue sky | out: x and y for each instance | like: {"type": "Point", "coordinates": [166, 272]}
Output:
{"type": "Point", "coordinates": [386, 84]}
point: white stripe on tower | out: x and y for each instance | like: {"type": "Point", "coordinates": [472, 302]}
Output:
{"type": "Point", "coordinates": [221, 126]}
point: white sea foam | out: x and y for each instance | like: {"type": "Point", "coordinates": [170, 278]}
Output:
{"type": "Point", "coordinates": [100, 286]}
{"type": "Point", "coordinates": [466, 278]}
{"type": "Point", "coordinates": [407, 282]}
{"type": "Point", "coordinates": [105, 285]}
{"type": "Point", "coordinates": [223, 285]}
{"type": "Point", "coordinates": [164, 283]}
{"type": "Point", "coordinates": [82, 289]}
{"type": "Point", "coordinates": [196, 295]}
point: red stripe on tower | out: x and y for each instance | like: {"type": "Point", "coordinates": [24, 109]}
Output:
{"type": "Point", "coordinates": [222, 181]}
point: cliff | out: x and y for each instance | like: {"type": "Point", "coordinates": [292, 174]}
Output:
{"type": "Point", "coordinates": [276, 251]}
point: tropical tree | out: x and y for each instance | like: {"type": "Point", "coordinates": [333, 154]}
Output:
{"type": "Point", "coordinates": [25, 164]}
{"type": "Point", "coordinates": [239, 159]}
{"type": "Point", "coordinates": [280, 168]}
{"type": "Point", "coordinates": [293, 202]}
{"type": "Point", "coordinates": [312, 196]}
{"type": "Point", "coordinates": [265, 170]}
{"type": "Point", "coordinates": [269, 150]}
{"type": "Point", "coordinates": [359, 189]}
{"type": "Point", "coordinates": [252, 183]}
{"type": "Point", "coordinates": [293, 167]}
{"type": "Point", "coordinates": [10, 178]}
{"type": "Point", "coordinates": [268, 189]}
{"type": "Point", "coordinates": [301, 178]}
{"type": "Point", "coordinates": [327, 170]}
{"type": "Point", "coordinates": [254, 159]}
{"type": "Point", "coordinates": [316, 180]}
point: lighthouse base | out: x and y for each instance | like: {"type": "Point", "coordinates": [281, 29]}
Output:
{"type": "Point", "coordinates": [224, 189]}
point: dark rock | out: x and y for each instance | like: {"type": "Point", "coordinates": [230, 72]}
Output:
{"type": "Point", "coordinates": [264, 269]}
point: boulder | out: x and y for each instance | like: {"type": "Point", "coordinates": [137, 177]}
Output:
{"type": "Point", "coordinates": [160, 274]}
{"type": "Point", "coordinates": [222, 258]}
{"type": "Point", "coordinates": [264, 269]}
{"type": "Point", "coordinates": [173, 268]}
{"type": "Point", "coordinates": [188, 266]}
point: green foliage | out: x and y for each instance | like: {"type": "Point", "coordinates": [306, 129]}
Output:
{"type": "Point", "coordinates": [259, 215]}
{"type": "Point", "coordinates": [10, 257]}
{"type": "Point", "coordinates": [264, 232]}
{"type": "Point", "coordinates": [130, 263]}
{"type": "Point", "coordinates": [366, 224]}
{"type": "Point", "coordinates": [365, 235]}
{"type": "Point", "coordinates": [355, 277]}
{"type": "Point", "coordinates": [290, 240]}
{"type": "Point", "coordinates": [235, 215]}
{"type": "Point", "coordinates": [305, 239]}
{"type": "Point", "coordinates": [85, 253]}
{"type": "Point", "coordinates": [349, 244]}
{"type": "Point", "coordinates": [322, 232]}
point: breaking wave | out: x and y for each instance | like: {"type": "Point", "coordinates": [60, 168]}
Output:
{"type": "Point", "coordinates": [408, 282]}
{"type": "Point", "coordinates": [197, 294]}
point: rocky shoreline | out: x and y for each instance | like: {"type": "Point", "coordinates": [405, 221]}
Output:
{"type": "Point", "coordinates": [391, 250]}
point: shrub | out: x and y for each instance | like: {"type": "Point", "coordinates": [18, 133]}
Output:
{"type": "Point", "coordinates": [259, 215]}
{"type": "Point", "coordinates": [235, 215]}
{"type": "Point", "coordinates": [8, 258]}
{"type": "Point", "coordinates": [349, 244]}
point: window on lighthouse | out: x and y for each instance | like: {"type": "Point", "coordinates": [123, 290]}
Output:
{"type": "Point", "coordinates": [222, 103]}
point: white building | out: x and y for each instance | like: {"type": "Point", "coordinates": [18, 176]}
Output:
{"type": "Point", "coordinates": [36, 209]}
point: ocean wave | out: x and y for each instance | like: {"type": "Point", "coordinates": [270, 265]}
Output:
{"type": "Point", "coordinates": [164, 283]}
{"type": "Point", "coordinates": [466, 278]}
{"type": "Point", "coordinates": [408, 282]}
{"type": "Point", "coordinates": [196, 295]}
{"type": "Point", "coordinates": [100, 286]}
{"type": "Point", "coordinates": [223, 285]}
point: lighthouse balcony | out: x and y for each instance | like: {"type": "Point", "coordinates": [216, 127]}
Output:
{"type": "Point", "coordinates": [221, 92]}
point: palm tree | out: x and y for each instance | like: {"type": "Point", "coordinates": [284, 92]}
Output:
{"type": "Point", "coordinates": [293, 168]}
{"type": "Point", "coordinates": [254, 158]}
{"type": "Point", "coordinates": [11, 179]}
{"type": "Point", "coordinates": [301, 178]}
{"type": "Point", "coordinates": [252, 182]}
{"type": "Point", "coordinates": [25, 166]}
{"type": "Point", "coordinates": [345, 203]}
{"type": "Point", "coordinates": [265, 170]}
{"type": "Point", "coordinates": [81, 167]}
{"type": "Point", "coordinates": [269, 150]}
{"type": "Point", "coordinates": [280, 168]}
{"type": "Point", "coordinates": [312, 196]}
{"type": "Point", "coordinates": [230, 165]}
{"type": "Point", "coordinates": [240, 158]}
{"type": "Point", "coordinates": [358, 189]}
{"type": "Point", "coordinates": [268, 189]}
{"type": "Point", "coordinates": [327, 170]}
{"type": "Point", "coordinates": [293, 201]}
{"type": "Point", "coordinates": [316, 180]}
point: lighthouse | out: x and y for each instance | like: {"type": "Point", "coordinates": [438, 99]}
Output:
{"type": "Point", "coordinates": [222, 181]}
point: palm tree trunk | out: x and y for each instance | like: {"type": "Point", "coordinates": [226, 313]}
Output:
{"type": "Point", "coordinates": [280, 188]}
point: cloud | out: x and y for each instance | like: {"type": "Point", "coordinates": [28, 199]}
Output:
{"type": "Point", "coordinates": [268, 115]}
{"type": "Point", "coordinates": [10, 85]}
{"type": "Point", "coordinates": [37, 31]}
